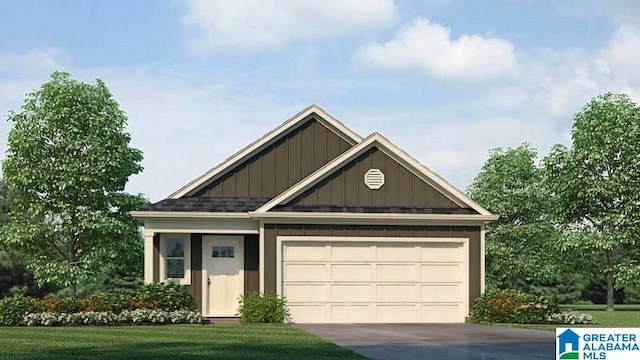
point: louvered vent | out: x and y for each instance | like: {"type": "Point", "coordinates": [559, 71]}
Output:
{"type": "Point", "coordinates": [374, 179]}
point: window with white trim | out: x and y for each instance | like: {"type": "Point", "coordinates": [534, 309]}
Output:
{"type": "Point", "coordinates": [175, 263]}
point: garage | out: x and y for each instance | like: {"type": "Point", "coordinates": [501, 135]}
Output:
{"type": "Point", "coordinates": [374, 280]}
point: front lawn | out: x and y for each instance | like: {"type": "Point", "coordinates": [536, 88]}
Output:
{"type": "Point", "coordinates": [258, 341]}
{"type": "Point", "coordinates": [624, 316]}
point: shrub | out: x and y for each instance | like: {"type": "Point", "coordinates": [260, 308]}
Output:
{"type": "Point", "coordinates": [54, 305]}
{"type": "Point", "coordinates": [512, 306]}
{"type": "Point", "coordinates": [13, 309]}
{"type": "Point", "coordinates": [570, 317]}
{"type": "Point", "coordinates": [140, 316]}
{"type": "Point", "coordinates": [164, 296]}
{"type": "Point", "coordinates": [263, 308]}
{"type": "Point", "coordinates": [99, 302]}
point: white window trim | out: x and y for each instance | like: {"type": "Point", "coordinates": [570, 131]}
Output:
{"type": "Point", "coordinates": [186, 280]}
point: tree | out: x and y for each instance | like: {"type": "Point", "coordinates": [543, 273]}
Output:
{"type": "Point", "coordinates": [67, 163]}
{"type": "Point", "coordinates": [4, 203]}
{"type": "Point", "coordinates": [595, 185]}
{"type": "Point", "coordinates": [520, 243]}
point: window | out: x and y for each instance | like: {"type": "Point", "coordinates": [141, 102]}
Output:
{"type": "Point", "coordinates": [223, 252]}
{"type": "Point", "coordinates": [175, 258]}
{"type": "Point", "coordinates": [175, 253]}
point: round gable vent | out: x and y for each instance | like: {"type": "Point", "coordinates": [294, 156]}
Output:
{"type": "Point", "coordinates": [374, 179]}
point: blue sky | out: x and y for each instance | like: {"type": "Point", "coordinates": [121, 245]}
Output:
{"type": "Point", "coordinates": [446, 80]}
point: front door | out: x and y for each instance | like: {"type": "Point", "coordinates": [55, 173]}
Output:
{"type": "Point", "coordinates": [224, 259]}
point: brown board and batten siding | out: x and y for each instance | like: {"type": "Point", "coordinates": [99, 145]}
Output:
{"type": "Point", "coordinates": [272, 231]}
{"type": "Point", "coordinates": [251, 264]}
{"type": "Point", "coordinates": [346, 188]}
{"type": "Point", "coordinates": [281, 164]}
{"type": "Point", "coordinates": [195, 289]}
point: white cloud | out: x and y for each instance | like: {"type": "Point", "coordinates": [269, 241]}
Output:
{"type": "Point", "coordinates": [256, 24]}
{"type": "Point", "coordinates": [620, 58]}
{"type": "Point", "coordinates": [428, 47]}
{"type": "Point", "coordinates": [33, 61]}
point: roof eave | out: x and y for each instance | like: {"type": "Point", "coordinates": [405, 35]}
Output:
{"type": "Point", "coordinates": [377, 218]}
{"type": "Point", "coordinates": [141, 215]}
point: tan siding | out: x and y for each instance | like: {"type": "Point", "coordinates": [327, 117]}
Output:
{"type": "Point", "coordinates": [401, 189]}
{"type": "Point", "coordinates": [470, 232]}
{"type": "Point", "coordinates": [280, 165]}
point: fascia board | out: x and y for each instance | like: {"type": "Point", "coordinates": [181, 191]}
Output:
{"type": "Point", "coordinates": [335, 125]}
{"type": "Point", "coordinates": [431, 177]}
{"type": "Point", "coordinates": [395, 153]}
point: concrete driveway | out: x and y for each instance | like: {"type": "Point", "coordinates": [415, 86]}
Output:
{"type": "Point", "coordinates": [438, 341]}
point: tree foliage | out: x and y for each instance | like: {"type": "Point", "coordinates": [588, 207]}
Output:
{"type": "Point", "coordinates": [67, 163]}
{"type": "Point", "coordinates": [520, 244]}
{"type": "Point", "coordinates": [595, 186]}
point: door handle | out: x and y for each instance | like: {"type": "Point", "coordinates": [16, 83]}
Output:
{"type": "Point", "coordinates": [209, 282]}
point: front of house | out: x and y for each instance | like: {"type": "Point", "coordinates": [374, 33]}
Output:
{"type": "Point", "coordinates": [348, 229]}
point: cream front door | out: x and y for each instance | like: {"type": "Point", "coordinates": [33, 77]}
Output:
{"type": "Point", "coordinates": [224, 259]}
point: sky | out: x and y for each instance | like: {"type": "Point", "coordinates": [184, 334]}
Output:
{"type": "Point", "coordinates": [445, 80]}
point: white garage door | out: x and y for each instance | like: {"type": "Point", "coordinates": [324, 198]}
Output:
{"type": "Point", "coordinates": [381, 281]}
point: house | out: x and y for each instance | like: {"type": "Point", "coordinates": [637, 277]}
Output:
{"type": "Point", "coordinates": [568, 342]}
{"type": "Point", "coordinates": [348, 229]}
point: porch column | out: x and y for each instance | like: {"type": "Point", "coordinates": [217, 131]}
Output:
{"type": "Point", "coordinates": [148, 256]}
{"type": "Point", "coordinates": [482, 259]}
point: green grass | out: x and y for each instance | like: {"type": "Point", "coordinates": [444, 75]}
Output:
{"type": "Point", "coordinates": [259, 341]}
{"type": "Point", "coordinates": [624, 316]}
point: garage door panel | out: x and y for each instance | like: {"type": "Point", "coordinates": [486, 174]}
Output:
{"type": "Point", "coordinates": [307, 292]}
{"type": "Point", "coordinates": [306, 252]}
{"type": "Point", "coordinates": [441, 313]}
{"type": "Point", "coordinates": [442, 252]}
{"type": "Point", "coordinates": [396, 293]}
{"type": "Point", "coordinates": [396, 313]}
{"type": "Point", "coordinates": [305, 272]}
{"type": "Point", "coordinates": [348, 252]}
{"type": "Point", "coordinates": [397, 252]}
{"type": "Point", "coordinates": [351, 293]}
{"type": "Point", "coordinates": [308, 313]}
{"type": "Point", "coordinates": [441, 293]}
{"type": "Point", "coordinates": [396, 272]}
{"type": "Point", "coordinates": [357, 313]}
{"type": "Point", "coordinates": [441, 273]}
{"type": "Point", "coordinates": [351, 272]}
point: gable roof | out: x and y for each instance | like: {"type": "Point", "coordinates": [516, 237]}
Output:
{"type": "Point", "coordinates": [390, 149]}
{"type": "Point", "coordinates": [322, 116]}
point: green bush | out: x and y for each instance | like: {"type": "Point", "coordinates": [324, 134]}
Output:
{"type": "Point", "coordinates": [165, 296]}
{"type": "Point", "coordinates": [54, 305]}
{"type": "Point", "coordinates": [263, 308]}
{"type": "Point", "coordinates": [512, 306]}
{"type": "Point", "coordinates": [13, 309]}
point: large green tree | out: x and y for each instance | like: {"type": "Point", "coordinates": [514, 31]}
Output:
{"type": "Point", "coordinates": [520, 244]}
{"type": "Point", "coordinates": [595, 185]}
{"type": "Point", "coordinates": [67, 164]}
{"type": "Point", "coordinates": [4, 203]}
